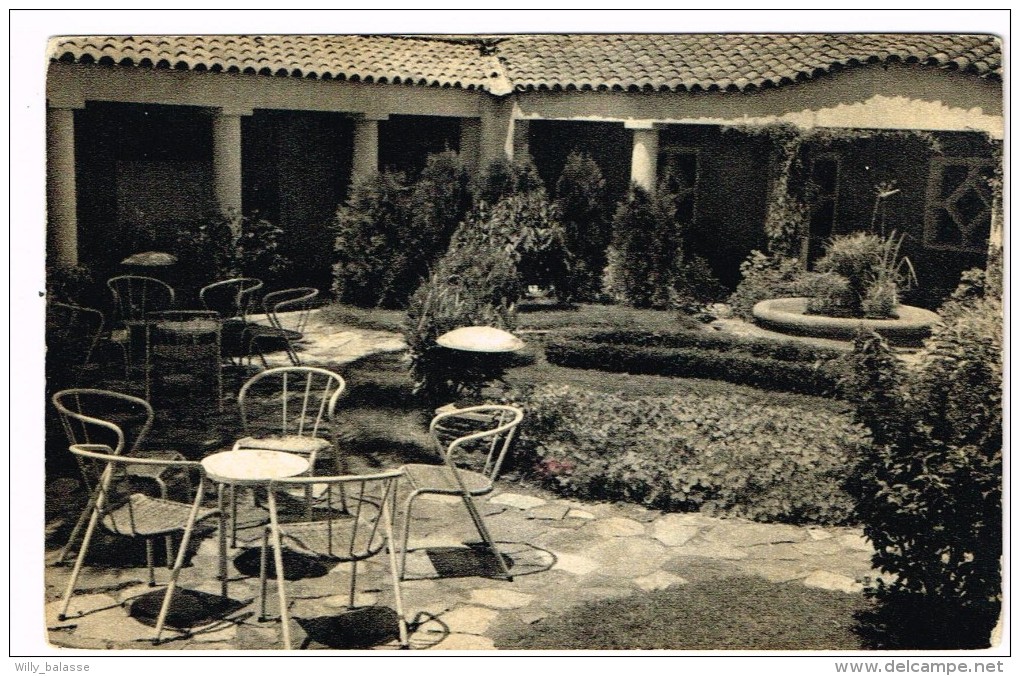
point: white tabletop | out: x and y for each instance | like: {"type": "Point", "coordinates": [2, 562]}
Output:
{"type": "Point", "coordinates": [253, 466]}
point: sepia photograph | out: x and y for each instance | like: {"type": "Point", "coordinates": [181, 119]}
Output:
{"type": "Point", "coordinates": [486, 342]}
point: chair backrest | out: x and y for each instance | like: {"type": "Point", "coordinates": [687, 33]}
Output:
{"type": "Point", "coordinates": [72, 332]}
{"type": "Point", "coordinates": [113, 488]}
{"type": "Point", "coordinates": [346, 525]}
{"type": "Point", "coordinates": [90, 416]}
{"type": "Point", "coordinates": [288, 309]}
{"type": "Point", "coordinates": [485, 430]}
{"type": "Point", "coordinates": [135, 296]}
{"type": "Point", "coordinates": [230, 297]}
{"type": "Point", "coordinates": [93, 416]}
{"type": "Point", "coordinates": [290, 400]}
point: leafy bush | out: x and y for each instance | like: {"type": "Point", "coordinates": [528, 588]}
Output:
{"type": "Point", "coordinates": [647, 251]}
{"type": "Point", "coordinates": [873, 269]}
{"type": "Point", "coordinates": [697, 286]}
{"type": "Point", "coordinates": [476, 283]}
{"type": "Point", "coordinates": [764, 277]}
{"type": "Point", "coordinates": [68, 284]}
{"type": "Point", "coordinates": [372, 230]}
{"type": "Point", "coordinates": [930, 491]}
{"type": "Point", "coordinates": [720, 454]}
{"type": "Point", "coordinates": [581, 204]}
{"type": "Point", "coordinates": [231, 245]}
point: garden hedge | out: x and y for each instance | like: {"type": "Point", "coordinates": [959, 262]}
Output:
{"type": "Point", "coordinates": [785, 366]}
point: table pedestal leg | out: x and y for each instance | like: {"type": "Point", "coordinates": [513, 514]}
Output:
{"type": "Point", "coordinates": [223, 541]}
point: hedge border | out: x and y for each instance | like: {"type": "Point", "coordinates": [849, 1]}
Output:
{"type": "Point", "coordinates": [815, 378]}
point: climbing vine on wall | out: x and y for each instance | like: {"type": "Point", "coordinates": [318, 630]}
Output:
{"type": "Point", "coordinates": [787, 211]}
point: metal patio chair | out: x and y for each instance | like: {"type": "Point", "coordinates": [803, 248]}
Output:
{"type": "Point", "coordinates": [133, 298]}
{"type": "Point", "coordinates": [473, 442]}
{"type": "Point", "coordinates": [291, 409]}
{"type": "Point", "coordinates": [72, 335]}
{"type": "Point", "coordinates": [340, 535]}
{"type": "Point", "coordinates": [124, 512]}
{"type": "Point", "coordinates": [120, 421]}
{"type": "Point", "coordinates": [233, 300]}
{"type": "Point", "coordinates": [287, 312]}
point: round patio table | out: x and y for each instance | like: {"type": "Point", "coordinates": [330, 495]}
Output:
{"type": "Point", "coordinates": [246, 467]}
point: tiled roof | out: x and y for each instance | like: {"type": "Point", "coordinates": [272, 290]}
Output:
{"type": "Point", "coordinates": [501, 64]}
{"type": "Point", "coordinates": [678, 62]}
{"type": "Point", "coordinates": [365, 58]}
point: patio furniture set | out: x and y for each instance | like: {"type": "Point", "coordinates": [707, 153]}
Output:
{"type": "Point", "coordinates": [288, 459]}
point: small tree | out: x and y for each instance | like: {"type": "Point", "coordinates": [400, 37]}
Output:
{"type": "Point", "coordinates": [502, 178]}
{"type": "Point", "coordinates": [439, 201]}
{"type": "Point", "coordinates": [647, 254]}
{"type": "Point", "coordinates": [371, 228]}
{"type": "Point", "coordinates": [581, 204]}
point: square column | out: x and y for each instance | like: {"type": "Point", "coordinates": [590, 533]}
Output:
{"type": "Point", "coordinates": [227, 158]}
{"type": "Point", "coordinates": [365, 161]}
{"type": "Point", "coordinates": [503, 136]}
{"type": "Point", "coordinates": [61, 188]}
{"type": "Point", "coordinates": [470, 142]}
{"type": "Point", "coordinates": [644, 156]}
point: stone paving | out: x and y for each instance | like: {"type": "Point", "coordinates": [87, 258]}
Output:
{"type": "Point", "coordinates": [563, 554]}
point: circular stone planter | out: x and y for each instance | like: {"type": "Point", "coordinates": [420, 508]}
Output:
{"type": "Point", "coordinates": [787, 315]}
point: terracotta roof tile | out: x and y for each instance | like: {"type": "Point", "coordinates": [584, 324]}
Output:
{"type": "Point", "coordinates": [501, 64]}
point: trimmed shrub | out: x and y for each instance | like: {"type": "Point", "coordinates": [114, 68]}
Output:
{"type": "Point", "coordinates": [372, 229]}
{"type": "Point", "coordinates": [391, 232]}
{"type": "Point", "coordinates": [720, 454]}
{"type": "Point", "coordinates": [581, 205]}
{"type": "Point", "coordinates": [930, 491]}
{"type": "Point", "coordinates": [787, 350]}
{"type": "Point", "coordinates": [647, 252]}
{"type": "Point", "coordinates": [764, 277]}
{"type": "Point", "coordinates": [786, 366]}
{"type": "Point", "coordinates": [690, 362]}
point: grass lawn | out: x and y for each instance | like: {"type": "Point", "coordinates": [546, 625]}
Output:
{"type": "Point", "coordinates": [380, 387]}
{"type": "Point", "coordinates": [531, 317]}
{"type": "Point", "coordinates": [738, 613]}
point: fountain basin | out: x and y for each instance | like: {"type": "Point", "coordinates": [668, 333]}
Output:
{"type": "Point", "coordinates": [787, 315]}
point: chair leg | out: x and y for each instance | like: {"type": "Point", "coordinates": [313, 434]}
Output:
{"type": "Point", "coordinates": [223, 540]}
{"type": "Point", "coordinates": [149, 562]}
{"type": "Point", "coordinates": [394, 573]}
{"type": "Point", "coordinates": [233, 516]}
{"type": "Point", "coordinates": [178, 564]}
{"type": "Point", "coordinates": [89, 531]}
{"type": "Point", "coordinates": [354, 584]}
{"type": "Point", "coordinates": [407, 532]}
{"type": "Point", "coordinates": [163, 493]}
{"type": "Point", "coordinates": [263, 574]}
{"type": "Point", "coordinates": [82, 520]}
{"type": "Point", "coordinates": [281, 592]}
{"type": "Point", "coordinates": [486, 536]}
